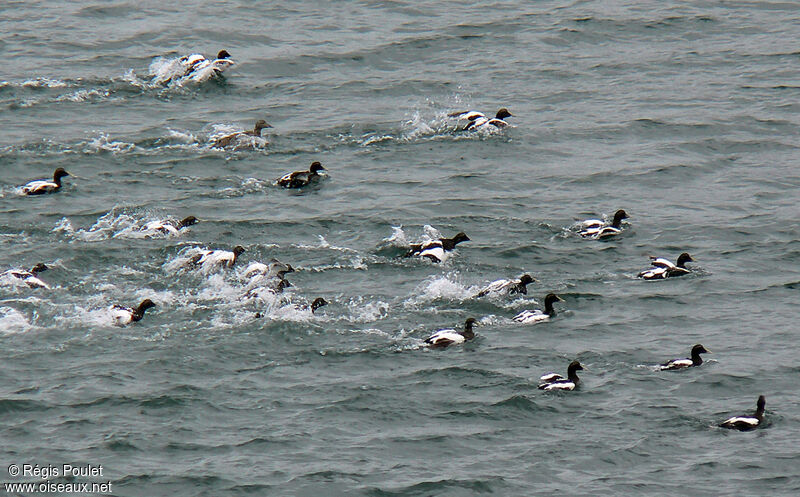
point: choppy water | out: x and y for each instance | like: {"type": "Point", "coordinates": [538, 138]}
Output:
{"type": "Point", "coordinates": [682, 113]}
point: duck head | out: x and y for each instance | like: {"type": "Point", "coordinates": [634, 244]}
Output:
{"type": "Point", "coordinates": [460, 237]}
{"type": "Point", "coordinates": [238, 250]}
{"type": "Point", "coordinates": [526, 279]}
{"type": "Point", "coordinates": [146, 304]}
{"type": "Point", "coordinates": [187, 221]}
{"type": "Point", "coordinates": [261, 124]}
{"type": "Point", "coordinates": [60, 173]}
{"type": "Point", "coordinates": [574, 366]}
{"type": "Point", "coordinates": [318, 302]}
{"type": "Point", "coordinates": [39, 268]}
{"type": "Point", "coordinates": [618, 217]}
{"type": "Point", "coordinates": [551, 299]}
{"type": "Point", "coordinates": [316, 167]}
{"type": "Point", "coordinates": [503, 113]}
{"type": "Point", "coordinates": [760, 405]}
{"type": "Point", "coordinates": [223, 54]}
{"type": "Point", "coordinates": [683, 259]}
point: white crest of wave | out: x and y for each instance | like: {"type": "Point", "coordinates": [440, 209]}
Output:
{"type": "Point", "coordinates": [103, 143]}
{"type": "Point", "coordinates": [44, 83]}
{"type": "Point", "coordinates": [447, 287]}
{"type": "Point", "coordinates": [82, 95]}
{"type": "Point", "coordinates": [363, 311]}
{"type": "Point", "coordinates": [397, 238]}
{"type": "Point", "coordinates": [163, 70]}
{"type": "Point", "coordinates": [12, 321]}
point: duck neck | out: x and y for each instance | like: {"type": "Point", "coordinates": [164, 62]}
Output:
{"type": "Point", "coordinates": [468, 333]}
{"type": "Point", "coordinates": [696, 359]}
{"type": "Point", "coordinates": [759, 414]}
{"type": "Point", "coordinates": [549, 309]}
{"type": "Point", "coordinates": [572, 374]}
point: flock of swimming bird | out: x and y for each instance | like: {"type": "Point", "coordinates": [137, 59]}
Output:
{"type": "Point", "coordinates": [271, 277]}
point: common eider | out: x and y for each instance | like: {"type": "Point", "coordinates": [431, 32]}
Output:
{"type": "Point", "coordinates": [169, 226]}
{"type": "Point", "coordinates": [226, 140]}
{"type": "Point", "coordinates": [210, 259]}
{"type": "Point", "coordinates": [299, 179]}
{"type": "Point", "coordinates": [746, 423]}
{"type": "Point", "coordinates": [537, 316]}
{"type": "Point", "coordinates": [435, 250]}
{"type": "Point", "coordinates": [126, 315]}
{"type": "Point", "coordinates": [198, 68]}
{"type": "Point", "coordinates": [479, 120]}
{"type": "Point", "coordinates": [42, 186]}
{"type": "Point", "coordinates": [553, 381]}
{"type": "Point", "coordinates": [696, 360]}
{"type": "Point", "coordinates": [507, 287]}
{"type": "Point", "coordinates": [447, 337]}
{"type": "Point", "coordinates": [662, 268]}
{"type": "Point", "coordinates": [259, 270]}
{"type": "Point", "coordinates": [31, 277]}
{"type": "Point", "coordinates": [597, 229]}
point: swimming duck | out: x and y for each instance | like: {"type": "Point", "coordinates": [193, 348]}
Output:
{"type": "Point", "coordinates": [274, 269]}
{"type": "Point", "coordinates": [746, 423]}
{"type": "Point", "coordinates": [434, 250]}
{"type": "Point", "coordinates": [696, 360]}
{"type": "Point", "coordinates": [42, 186]}
{"type": "Point", "coordinates": [169, 226]}
{"type": "Point", "coordinates": [595, 228]}
{"type": "Point", "coordinates": [210, 259]}
{"type": "Point", "coordinates": [198, 68]}
{"type": "Point", "coordinates": [508, 287]}
{"type": "Point", "coordinates": [479, 120]}
{"type": "Point", "coordinates": [447, 337]}
{"type": "Point", "coordinates": [299, 179]}
{"type": "Point", "coordinates": [537, 316]}
{"type": "Point", "coordinates": [126, 315]}
{"type": "Point", "coordinates": [29, 277]}
{"type": "Point", "coordinates": [553, 381]}
{"type": "Point", "coordinates": [662, 268]}
{"type": "Point", "coordinates": [226, 140]}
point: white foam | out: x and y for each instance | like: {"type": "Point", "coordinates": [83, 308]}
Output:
{"type": "Point", "coordinates": [103, 143]}
{"type": "Point", "coordinates": [44, 83]}
{"type": "Point", "coordinates": [447, 287]}
{"type": "Point", "coordinates": [12, 321]}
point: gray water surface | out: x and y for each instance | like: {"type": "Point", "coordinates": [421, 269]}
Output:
{"type": "Point", "coordinates": [684, 114]}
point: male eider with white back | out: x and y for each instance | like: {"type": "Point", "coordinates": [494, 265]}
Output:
{"type": "Point", "coordinates": [598, 229]}
{"type": "Point", "coordinates": [478, 120]}
{"type": "Point", "coordinates": [30, 278]}
{"type": "Point", "coordinates": [299, 179]}
{"type": "Point", "coordinates": [663, 268]}
{"type": "Point", "coordinates": [554, 381]}
{"type": "Point", "coordinates": [170, 226]}
{"type": "Point", "coordinates": [538, 316]}
{"type": "Point", "coordinates": [198, 68]}
{"type": "Point", "coordinates": [696, 360]}
{"type": "Point", "coordinates": [445, 338]}
{"type": "Point", "coordinates": [436, 250]}
{"type": "Point", "coordinates": [507, 287]}
{"type": "Point", "coordinates": [126, 315]}
{"type": "Point", "coordinates": [746, 423]}
{"type": "Point", "coordinates": [42, 186]}
{"type": "Point", "coordinates": [210, 259]}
